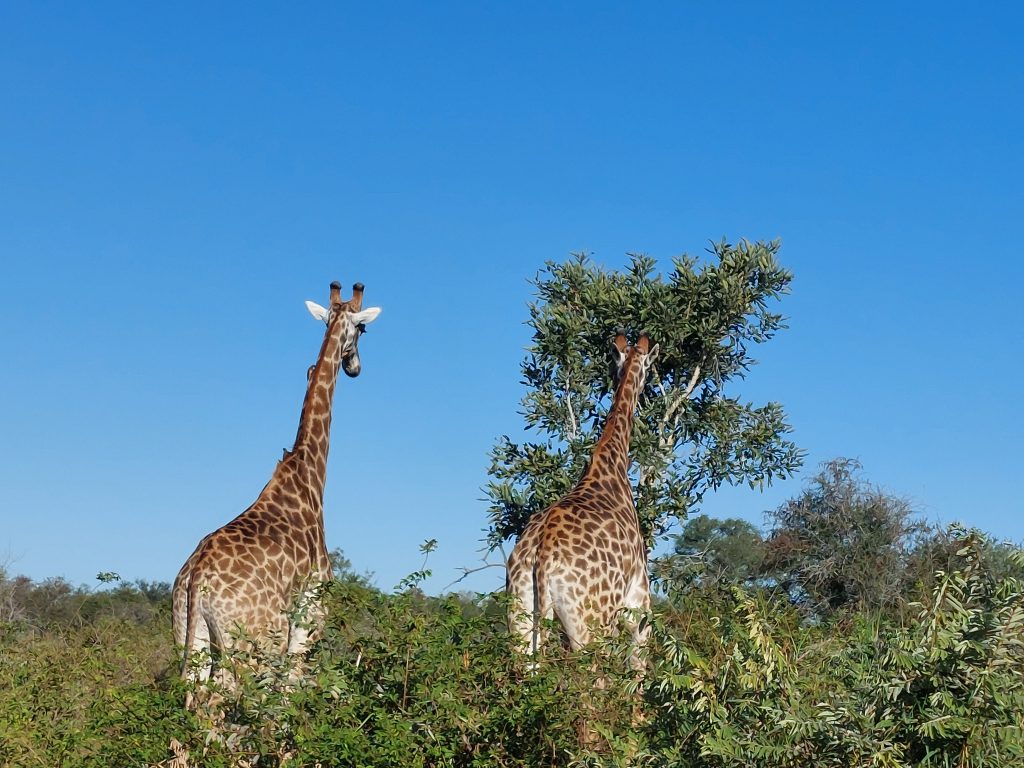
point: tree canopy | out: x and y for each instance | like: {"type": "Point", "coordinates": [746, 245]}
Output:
{"type": "Point", "coordinates": [692, 432]}
{"type": "Point", "coordinates": [711, 553]}
{"type": "Point", "coordinates": [842, 542]}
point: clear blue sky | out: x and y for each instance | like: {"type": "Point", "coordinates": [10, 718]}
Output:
{"type": "Point", "coordinates": [175, 181]}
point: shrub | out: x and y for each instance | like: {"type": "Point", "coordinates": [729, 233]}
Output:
{"type": "Point", "coordinates": [734, 678]}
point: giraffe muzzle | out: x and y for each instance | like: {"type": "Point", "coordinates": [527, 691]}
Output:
{"type": "Point", "coordinates": [351, 366]}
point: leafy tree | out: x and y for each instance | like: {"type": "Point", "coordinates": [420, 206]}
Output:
{"type": "Point", "coordinates": [341, 570]}
{"type": "Point", "coordinates": [692, 432]}
{"type": "Point", "coordinates": [938, 550]}
{"type": "Point", "coordinates": [941, 687]}
{"type": "Point", "coordinates": [55, 602]}
{"type": "Point", "coordinates": [711, 552]}
{"type": "Point", "coordinates": [953, 678]}
{"type": "Point", "coordinates": [842, 542]}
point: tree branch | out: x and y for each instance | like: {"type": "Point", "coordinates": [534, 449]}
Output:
{"type": "Point", "coordinates": [468, 571]}
{"type": "Point", "coordinates": [670, 412]}
{"type": "Point", "coordinates": [673, 408]}
{"type": "Point", "coordinates": [572, 416]}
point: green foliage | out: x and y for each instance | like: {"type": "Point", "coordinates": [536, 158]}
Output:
{"type": "Point", "coordinates": [406, 680]}
{"type": "Point", "coordinates": [711, 553]}
{"type": "Point", "coordinates": [953, 682]}
{"type": "Point", "coordinates": [690, 435]}
{"type": "Point", "coordinates": [938, 551]}
{"type": "Point", "coordinates": [734, 678]}
{"type": "Point", "coordinates": [842, 543]}
{"type": "Point", "coordinates": [56, 603]}
{"type": "Point", "coordinates": [64, 693]}
{"type": "Point", "coordinates": [942, 688]}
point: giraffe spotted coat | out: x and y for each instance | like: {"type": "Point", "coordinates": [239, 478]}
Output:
{"type": "Point", "coordinates": [249, 573]}
{"type": "Point", "coordinates": [583, 560]}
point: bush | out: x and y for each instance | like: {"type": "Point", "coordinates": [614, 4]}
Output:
{"type": "Point", "coordinates": [734, 678]}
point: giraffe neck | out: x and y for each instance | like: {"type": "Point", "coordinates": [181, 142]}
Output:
{"type": "Point", "coordinates": [611, 454]}
{"type": "Point", "coordinates": [309, 455]}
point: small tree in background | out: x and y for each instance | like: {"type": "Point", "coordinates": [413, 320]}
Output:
{"type": "Point", "coordinates": [842, 543]}
{"type": "Point", "coordinates": [711, 553]}
{"type": "Point", "coordinates": [692, 434]}
{"type": "Point", "coordinates": [937, 551]}
{"type": "Point", "coordinates": [10, 607]}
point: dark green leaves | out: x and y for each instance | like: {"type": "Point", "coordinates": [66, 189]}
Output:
{"type": "Point", "coordinates": [690, 436]}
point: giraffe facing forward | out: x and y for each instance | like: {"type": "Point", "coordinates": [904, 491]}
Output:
{"type": "Point", "coordinates": [249, 573]}
{"type": "Point", "coordinates": [583, 559]}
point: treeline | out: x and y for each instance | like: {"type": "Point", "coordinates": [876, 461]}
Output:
{"type": "Point", "coordinates": [847, 634]}
{"type": "Point", "coordinates": [841, 545]}
{"type": "Point", "coordinates": [56, 602]}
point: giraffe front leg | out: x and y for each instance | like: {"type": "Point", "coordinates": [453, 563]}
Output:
{"type": "Point", "coordinates": [306, 619]}
{"type": "Point", "coordinates": [197, 666]}
{"type": "Point", "coordinates": [305, 626]}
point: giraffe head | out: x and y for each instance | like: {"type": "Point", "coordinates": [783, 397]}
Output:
{"type": "Point", "coordinates": [348, 319]}
{"type": "Point", "coordinates": [632, 363]}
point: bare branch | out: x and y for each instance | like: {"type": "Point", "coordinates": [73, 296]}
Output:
{"type": "Point", "coordinates": [572, 416]}
{"type": "Point", "coordinates": [676, 404]}
{"type": "Point", "coordinates": [657, 380]}
{"type": "Point", "coordinates": [466, 572]}
{"type": "Point", "coordinates": [693, 380]}
{"type": "Point", "coordinates": [664, 438]}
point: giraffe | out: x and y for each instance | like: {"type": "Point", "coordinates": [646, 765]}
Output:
{"type": "Point", "coordinates": [583, 559]}
{"type": "Point", "coordinates": [249, 573]}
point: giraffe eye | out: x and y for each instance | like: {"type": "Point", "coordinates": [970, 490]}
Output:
{"type": "Point", "coordinates": [361, 327]}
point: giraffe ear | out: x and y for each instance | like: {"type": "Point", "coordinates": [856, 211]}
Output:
{"type": "Point", "coordinates": [317, 311]}
{"type": "Point", "coordinates": [653, 354]}
{"type": "Point", "coordinates": [366, 316]}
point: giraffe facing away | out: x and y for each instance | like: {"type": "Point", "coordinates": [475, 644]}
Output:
{"type": "Point", "coordinates": [583, 559]}
{"type": "Point", "coordinates": [249, 573]}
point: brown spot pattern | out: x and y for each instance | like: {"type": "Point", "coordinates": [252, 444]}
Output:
{"type": "Point", "coordinates": [248, 573]}
{"type": "Point", "coordinates": [583, 560]}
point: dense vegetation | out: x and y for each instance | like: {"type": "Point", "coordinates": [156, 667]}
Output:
{"type": "Point", "coordinates": [848, 633]}
{"type": "Point", "coordinates": [740, 673]}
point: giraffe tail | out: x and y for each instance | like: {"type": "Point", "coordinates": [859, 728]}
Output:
{"type": "Point", "coordinates": [191, 620]}
{"type": "Point", "coordinates": [522, 584]}
{"type": "Point", "coordinates": [535, 639]}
